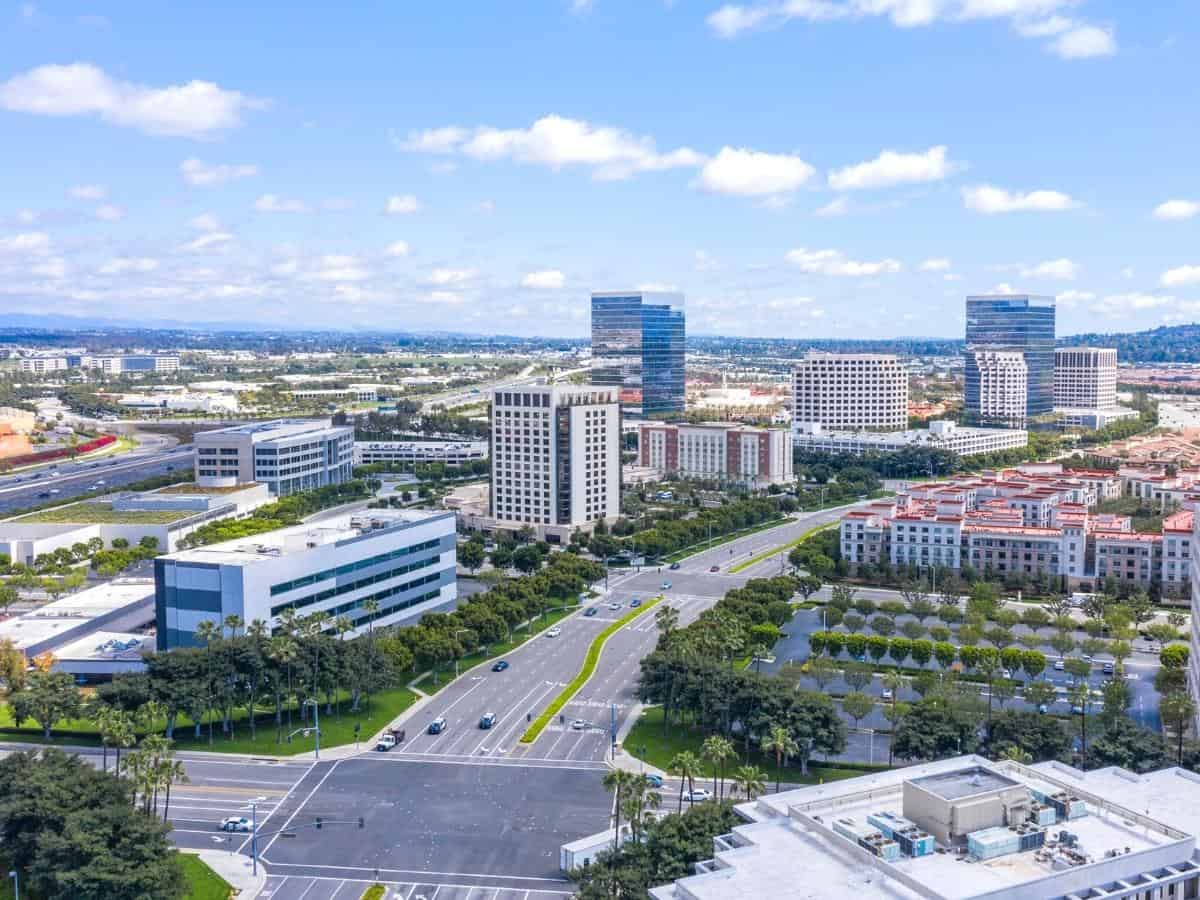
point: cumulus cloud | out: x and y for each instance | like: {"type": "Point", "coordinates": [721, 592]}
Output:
{"type": "Point", "coordinates": [1177, 209]}
{"type": "Point", "coordinates": [750, 173]}
{"type": "Point", "coordinates": [273, 203]}
{"type": "Point", "coordinates": [891, 168]}
{"type": "Point", "coordinates": [110, 212]}
{"type": "Point", "coordinates": [1072, 297]}
{"type": "Point", "coordinates": [991, 200]}
{"type": "Point", "coordinates": [657, 287]}
{"type": "Point", "coordinates": [838, 206]}
{"type": "Point", "coordinates": [445, 277]}
{"type": "Point", "coordinates": [1061, 269]}
{"type": "Point", "coordinates": [125, 265]}
{"type": "Point", "coordinates": [196, 109]}
{"type": "Point", "coordinates": [403, 204]}
{"type": "Point", "coordinates": [1181, 275]}
{"type": "Point", "coordinates": [89, 192]}
{"type": "Point", "coordinates": [544, 280]}
{"type": "Point", "coordinates": [1117, 305]}
{"type": "Point", "coordinates": [213, 240]}
{"type": "Point", "coordinates": [834, 262]}
{"type": "Point", "coordinates": [28, 242]}
{"type": "Point", "coordinates": [432, 140]}
{"type": "Point", "coordinates": [1084, 42]}
{"type": "Point", "coordinates": [206, 222]}
{"type": "Point", "coordinates": [198, 173]}
{"type": "Point", "coordinates": [338, 267]}
{"type": "Point", "coordinates": [937, 264]}
{"type": "Point", "coordinates": [396, 248]}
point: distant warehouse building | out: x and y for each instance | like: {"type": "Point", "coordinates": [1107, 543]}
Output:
{"type": "Point", "coordinates": [287, 455]}
{"type": "Point", "coordinates": [740, 454]}
{"type": "Point", "coordinates": [940, 435]}
{"type": "Point", "coordinates": [453, 453]}
{"type": "Point", "coordinates": [403, 560]}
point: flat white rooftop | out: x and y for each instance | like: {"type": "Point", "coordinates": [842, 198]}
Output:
{"type": "Point", "coordinates": [106, 645]}
{"type": "Point", "coordinates": [70, 612]}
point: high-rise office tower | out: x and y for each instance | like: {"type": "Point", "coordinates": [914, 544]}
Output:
{"type": "Point", "coordinates": [637, 347]}
{"type": "Point", "coordinates": [1017, 323]}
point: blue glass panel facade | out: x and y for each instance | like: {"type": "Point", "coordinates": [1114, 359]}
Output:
{"type": "Point", "coordinates": [1024, 324]}
{"type": "Point", "coordinates": [638, 347]}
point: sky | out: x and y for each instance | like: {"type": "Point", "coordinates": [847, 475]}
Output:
{"type": "Point", "coordinates": [796, 168]}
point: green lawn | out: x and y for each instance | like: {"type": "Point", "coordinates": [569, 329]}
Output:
{"type": "Point", "coordinates": [659, 749]}
{"type": "Point", "coordinates": [433, 682]}
{"type": "Point", "coordinates": [202, 882]}
{"type": "Point", "coordinates": [103, 514]}
{"type": "Point", "coordinates": [374, 892]}
{"type": "Point", "coordinates": [724, 539]}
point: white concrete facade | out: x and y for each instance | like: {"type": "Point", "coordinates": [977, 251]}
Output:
{"type": "Point", "coordinates": [939, 435]}
{"type": "Point", "coordinates": [1085, 377]}
{"type": "Point", "coordinates": [851, 392]}
{"type": "Point", "coordinates": [1003, 386]}
{"type": "Point", "coordinates": [453, 453]}
{"type": "Point", "coordinates": [287, 455]}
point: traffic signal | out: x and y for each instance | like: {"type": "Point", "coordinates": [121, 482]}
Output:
{"type": "Point", "coordinates": [319, 821]}
{"type": "Point", "coordinates": [362, 822]}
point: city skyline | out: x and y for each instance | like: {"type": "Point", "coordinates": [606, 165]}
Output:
{"type": "Point", "coordinates": [440, 180]}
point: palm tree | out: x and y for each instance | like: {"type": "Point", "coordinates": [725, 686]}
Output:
{"type": "Point", "coordinates": [640, 799]}
{"type": "Point", "coordinates": [105, 721]}
{"type": "Point", "coordinates": [717, 750]}
{"type": "Point", "coordinates": [667, 621]}
{"type": "Point", "coordinates": [617, 781]}
{"type": "Point", "coordinates": [172, 772]}
{"type": "Point", "coordinates": [282, 651]}
{"type": "Point", "coordinates": [121, 734]}
{"type": "Point", "coordinates": [370, 606]}
{"type": "Point", "coordinates": [233, 622]}
{"type": "Point", "coordinates": [688, 767]}
{"type": "Point", "coordinates": [780, 742]}
{"type": "Point", "coordinates": [893, 681]}
{"type": "Point", "coordinates": [206, 633]}
{"type": "Point", "coordinates": [750, 779]}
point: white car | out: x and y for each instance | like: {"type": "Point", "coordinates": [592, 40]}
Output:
{"type": "Point", "coordinates": [615, 606]}
{"type": "Point", "coordinates": [1059, 665]}
{"type": "Point", "coordinates": [579, 725]}
{"type": "Point", "coordinates": [554, 632]}
{"type": "Point", "coordinates": [236, 823]}
{"type": "Point", "coordinates": [887, 693]}
{"type": "Point", "coordinates": [699, 795]}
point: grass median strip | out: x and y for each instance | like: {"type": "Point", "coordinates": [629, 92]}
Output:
{"type": "Point", "coordinates": [589, 667]}
{"type": "Point", "coordinates": [782, 548]}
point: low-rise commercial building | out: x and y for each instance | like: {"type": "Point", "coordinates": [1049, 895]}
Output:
{"type": "Point", "coordinates": [287, 455]}
{"type": "Point", "coordinates": [124, 605]}
{"type": "Point", "coordinates": [737, 454]}
{"type": "Point", "coordinates": [403, 560]}
{"type": "Point", "coordinates": [940, 435]}
{"type": "Point", "coordinates": [109, 365]}
{"type": "Point", "coordinates": [453, 453]}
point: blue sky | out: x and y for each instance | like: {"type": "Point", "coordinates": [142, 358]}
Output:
{"type": "Point", "coordinates": [796, 167]}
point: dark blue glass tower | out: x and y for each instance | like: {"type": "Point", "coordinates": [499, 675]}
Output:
{"type": "Point", "coordinates": [637, 346]}
{"type": "Point", "coordinates": [1020, 323]}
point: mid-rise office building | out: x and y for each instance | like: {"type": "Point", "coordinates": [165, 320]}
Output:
{"type": "Point", "coordinates": [638, 348]}
{"type": "Point", "coordinates": [287, 455]}
{"type": "Point", "coordinates": [1085, 377]}
{"type": "Point", "coordinates": [754, 457]}
{"type": "Point", "coordinates": [403, 560]}
{"type": "Point", "coordinates": [1001, 387]}
{"type": "Point", "coordinates": [41, 365]}
{"type": "Point", "coordinates": [850, 392]}
{"type": "Point", "coordinates": [939, 435]}
{"type": "Point", "coordinates": [109, 365]}
{"type": "Point", "coordinates": [453, 453]}
{"type": "Point", "coordinates": [556, 455]}
{"type": "Point", "coordinates": [1017, 323]}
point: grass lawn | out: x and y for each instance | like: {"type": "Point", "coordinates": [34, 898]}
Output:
{"type": "Point", "coordinates": [103, 514]}
{"type": "Point", "coordinates": [724, 539]}
{"type": "Point", "coordinates": [647, 741]}
{"type": "Point", "coordinates": [202, 882]}
{"type": "Point", "coordinates": [374, 892]}
{"type": "Point", "coordinates": [429, 685]}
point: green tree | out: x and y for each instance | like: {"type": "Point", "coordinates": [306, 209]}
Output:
{"type": "Point", "coordinates": [1178, 713]}
{"type": "Point", "coordinates": [718, 750]}
{"type": "Point", "coordinates": [47, 698]}
{"type": "Point", "coordinates": [471, 555]}
{"type": "Point", "coordinates": [857, 706]}
{"type": "Point", "coordinates": [688, 766]}
{"type": "Point", "coordinates": [782, 745]}
{"type": "Point", "coordinates": [750, 780]}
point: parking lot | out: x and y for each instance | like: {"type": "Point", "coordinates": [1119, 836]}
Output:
{"type": "Point", "coordinates": [300, 887]}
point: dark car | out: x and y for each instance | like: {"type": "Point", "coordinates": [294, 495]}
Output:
{"type": "Point", "coordinates": [487, 721]}
{"type": "Point", "coordinates": [635, 602]}
{"type": "Point", "coordinates": [438, 725]}
{"type": "Point", "coordinates": [590, 611]}
{"type": "Point", "coordinates": [674, 567]}
{"type": "Point", "coordinates": [500, 665]}
{"type": "Point", "coordinates": [714, 568]}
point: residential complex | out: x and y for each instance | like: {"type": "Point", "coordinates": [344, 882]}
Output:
{"type": "Point", "coordinates": [850, 392]}
{"type": "Point", "coordinates": [738, 454]}
{"type": "Point", "coordinates": [1013, 323]}
{"type": "Point", "coordinates": [403, 560]}
{"type": "Point", "coordinates": [556, 455]}
{"type": "Point", "coordinates": [940, 435]}
{"type": "Point", "coordinates": [109, 365]}
{"type": "Point", "coordinates": [453, 453]}
{"type": "Point", "coordinates": [1035, 520]}
{"type": "Point", "coordinates": [638, 348]}
{"type": "Point", "coordinates": [287, 455]}
{"type": "Point", "coordinates": [962, 829]}
{"type": "Point", "coordinates": [1001, 378]}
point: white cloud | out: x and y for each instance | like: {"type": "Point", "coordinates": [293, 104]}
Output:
{"type": "Point", "coordinates": [1061, 269]}
{"type": "Point", "coordinates": [401, 205]}
{"type": "Point", "coordinates": [29, 242]}
{"type": "Point", "coordinates": [213, 240]}
{"type": "Point", "coordinates": [198, 173]}
{"type": "Point", "coordinates": [937, 264]}
{"type": "Point", "coordinates": [581, 7]}
{"type": "Point", "coordinates": [28, 12]}
{"type": "Point", "coordinates": [89, 192]}
{"type": "Point", "coordinates": [1003, 288]}
{"type": "Point", "coordinates": [338, 267]}
{"type": "Point", "coordinates": [125, 265]}
{"type": "Point", "coordinates": [1176, 209]}
{"type": "Point", "coordinates": [206, 222]}
{"type": "Point", "coordinates": [109, 212]}
{"type": "Point", "coordinates": [1180, 276]}
{"type": "Point", "coordinates": [787, 303]}
{"type": "Point", "coordinates": [657, 287]}
{"type": "Point", "coordinates": [396, 248]}
{"type": "Point", "coordinates": [273, 203]}
{"type": "Point", "coordinates": [448, 298]}
{"type": "Point", "coordinates": [704, 261]}
{"type": "Point", "coordinates": [1084, 42]}
{"type": "Point", "coordinates": [557, 142]}
{"type": "Point", "coordinates": [838, 206]}
{"type": "Point", "coordinates": [487, 207]}
{"type": "Point", "coordinates": [1071, 297]}
{"type": "Point", "coordinates": [444, 277]}
{"type": "Point", "coordinates": [749, 173]}
{"type": "Point", "coordinates": [991, 200]}
{"type": "Point", "coordinates": [890, 168]}
{"type": "Point", "coordinates": [1119, 304]}
{"type": "Point", "coordinates": [544, 280]}
{"type": "Point", "coordinates": [730, 21]}
{"type": "Point", "coordinates": [55, 267]}
{"type": "Point", "coordinates": [834, 262]}
{"type": "Point", "coordinates": [195, 109]}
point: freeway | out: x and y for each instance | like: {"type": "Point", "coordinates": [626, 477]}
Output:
{"type": "Point", "coordinates": [71, 478]}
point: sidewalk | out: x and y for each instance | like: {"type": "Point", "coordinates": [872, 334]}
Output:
{"type": "Point", "coordinates": [234, 868]}
{"type": "Point", "coordinates": [627, 761]}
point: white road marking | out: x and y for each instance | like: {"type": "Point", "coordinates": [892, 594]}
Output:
{"type": "Point", "coordinates": [282, 800]}
{"type": "Point", "coordinates": [483, 876]}
{"type": "Point", "coordinates": [262, 853]}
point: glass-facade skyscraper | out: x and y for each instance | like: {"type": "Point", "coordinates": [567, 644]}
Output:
{"type": "Point", "coordinates": [1019, 323]}
{"type": "Point", "coordinates": [637, 346]}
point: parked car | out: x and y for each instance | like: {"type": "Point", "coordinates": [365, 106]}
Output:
{"type": "Point", "coordinates": [1077, 710]}
{"type": "Point", "coordinates": [887, 693]}
{"type": "Point", "coordinates": [614, 605]}
{"type": "Point", "coordinates": [554, 632]}
{"type": "Point", "coordinates": [487, 721]}
{"type": "Point", "coordinates": [236, 823]}
{"type": "Point", "coordinates": [1109, 668]}
{"type": "Point", "coordinates": [438, 725]}
{"type": "Point", "coordinates": [500, 665]}
{"type": "Point", "coordinates": [714, 568]}
{"type": "Point", "coordinates": [1043, 708]}
{"type": "Point", "coordinates": [674, 567]}
{"type": "Point", "coordinates": [386, 743]}
{"type": "Point", "coordinates": [1059, 665]}
{"type": "Point", "coordinates": [590, 611]}
{"type": "Point", "coordinates": [699, 795]}
{"type": "Point", "coordinates": [579, 725]}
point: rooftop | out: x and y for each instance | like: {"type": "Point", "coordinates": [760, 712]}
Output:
{"type": "Point", "coordinates": [112, 645]}
{"type": "Point", "coordinates": [62, 615]}
{"type": "Point", "coordinates": [191, 487]}
{"type": "Point", "coordinates": [966, 782]}
{"type": "Point", "coordinates": [104, 514]}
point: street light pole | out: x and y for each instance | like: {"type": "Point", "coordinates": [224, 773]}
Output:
{"type": "Point", "coordinates": [16, 884]}
{"type": "Point", "coordinates": [254, 837]}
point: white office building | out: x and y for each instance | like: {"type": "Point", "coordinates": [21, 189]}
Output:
{"type": "Point", "coordinates": [755, 457]}
{"type": "Point", "coordinates": [1003, 377]}
{"type": "Point", "coordinates": [850, 392]}
{"type": "Point", "coordinates": [453, 453]}
{"type": "Point", "coordinates": [287, 455]}
{"type": "Point", "coordinates": [940, 435]}
{"type": "Point", "coordinates": [556, 455]}
{"type": "Point", "coordinates": [404, 560]}
{"type": "Point", "coordinates": [1085, 377]}
{"type": "Point", "coordinates": [40, 365]}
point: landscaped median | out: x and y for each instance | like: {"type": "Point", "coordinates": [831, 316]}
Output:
{"type": "Point", "coordinates": [783, 548]}
{"type": "Point", "coordinates": [589, 667]}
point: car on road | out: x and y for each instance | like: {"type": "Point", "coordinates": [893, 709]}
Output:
{"type": "Point", "coordinates": [674, 567]}
{"type": "Point", "coordinates": [1077, 710]}
{"type": "Point", "coordinates": [887, 694]}
{"type": "Point", "coordinates": [437, 726]}
{"type": "Point", "coordinates": [1059, 665]}
{"type": "Point", "coordinates": [655, 781]}
{"type": "Point", "coordinates": [1109, 668]}
{"type": "Point", "coordinates": [635, 602]}
{"type": "Point", "coordinates": [714, 568]}
{"type": "Point", "coordinates": [487, 720]}
{"type": "Point", "coordinates": [666, 585]}
{"type": "Point", "coordinates": [500, 665]}
{"type": "Point", "coordinates": [579, 725]}
{"type": "Point", "coordinates": [43, 495]}
{"type": "Point", "coordinates": [236, 823]}
{"type": "Point", "coordinates": [554, 632]}
{"type": "Point", "coordinates": [1043, 708]}
{"type": "Point", "coordinates": [590, 611]}
{"type": "Point", "coordinates": [386, 743]}
{"type": "Point", "coordinates": [614, 605]}
{"type": "Point", "coordinates": [699, 795]}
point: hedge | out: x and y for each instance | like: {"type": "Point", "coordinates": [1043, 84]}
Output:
{"type": "Point", "coordinates": [49, 455]}
{"type": "Point", "coordinates": [589, 667]}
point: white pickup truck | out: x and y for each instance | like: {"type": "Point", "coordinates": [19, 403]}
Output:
{"type": "Point", "coordinates": [386, 742]}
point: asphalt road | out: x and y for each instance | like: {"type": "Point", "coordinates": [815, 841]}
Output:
{"type": "Point", "coordinates": [70, 479]}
